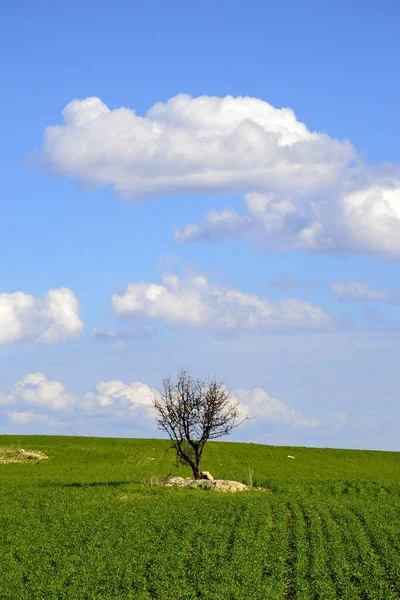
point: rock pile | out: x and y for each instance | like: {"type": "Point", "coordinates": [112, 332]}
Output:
{"type": "Point", "coordinates": [218, 485]}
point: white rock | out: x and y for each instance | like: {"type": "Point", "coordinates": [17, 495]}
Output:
{"type": "Point", "coordinates": [206, 475]}
{"type": "Point", "coordinates": [218, 485]}
{"type": "Point", "coordinates": [225, 485]}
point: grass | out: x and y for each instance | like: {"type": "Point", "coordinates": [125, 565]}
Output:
{"type": "Point", "coordinates": [91, 523]}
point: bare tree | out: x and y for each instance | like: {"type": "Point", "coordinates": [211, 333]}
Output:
{"type": "Point", "coordinates": [192, 411]}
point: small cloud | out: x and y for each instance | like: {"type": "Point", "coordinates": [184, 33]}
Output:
{"type": "Point", "coordinates": [119, 398]}
{"type": "Point", "coordinates": [257, 403]}
{"type": "Point", "coordinates": [357, 290]}
{"type": "Point", "coordinates": [48, 319]}
{"type": "Point", "coordinates": [35, 390]}
{"type": "Point", "coordinates": [217, 226]}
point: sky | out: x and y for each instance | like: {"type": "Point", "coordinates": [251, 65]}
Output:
{"type": "Point", "coordinates": [212, 186]}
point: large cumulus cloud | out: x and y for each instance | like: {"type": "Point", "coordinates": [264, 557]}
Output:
{"type": "Point", "coordinates": [304, 190]}
{"type": "Point", "coordinates": [191, 145]}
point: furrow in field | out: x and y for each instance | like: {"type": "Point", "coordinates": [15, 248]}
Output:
{"type": "Point", "coordinates": [338, 563]}
{"type": "Point", "coordinates": [321, 583]}
{"type": "Point", "coordinates": [290, 555]}
{"type": "Point", "coordinates": [275, 548]}
{"type": "Point", "coordinates": [300, 547]}
{"type": "Point", "coordinates": [377, 534]}
{"type": "Point", "coordinates": [226, 551]}
{"type": "Point", "coordinates": [368, 573]}
{"type": "Point", "coordinates": [248, 552]}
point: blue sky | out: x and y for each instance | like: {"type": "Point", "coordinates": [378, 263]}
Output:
{"type": "Point", "coordinates": [259, 245]}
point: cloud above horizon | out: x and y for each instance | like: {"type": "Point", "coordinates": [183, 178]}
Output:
{"type": "Point", "coordinates": [193, 145]}
{"type": "Point", "coordinates": [119, 399]}
{"type": "Point", "coordinates": [47, 319]}
{"type": "Point", "coordinates": [36, 400]}
{"type": "Point", "coordinates": [353, 291]}
{"type": "Point", "coordinates": [365, 221]}
{"type": "Point", "coordinates": [34, 390]}
{"type": "Point", "coordinates": [303, 190]}
{"type": "Point", "coordinates": [256, 403]}
{"type": "Point", "coordinates": [194, 301]}
{"type": "Point", "coordinates": [26, 401]}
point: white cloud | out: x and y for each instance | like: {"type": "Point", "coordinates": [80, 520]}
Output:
{"type": "Point", "coordinates": [35, 390]}
{"type": "Point", "coordinates": [117, 396]}
{"type": "Point", "coordinates": [191, 145]}
{"type": "Point", "coordinates": [372, 216]}
{"type": "Point", "coordinates": [216, 226]}
{"type": "Point", "coordinates": [23, 418]}
{"type": "Point", "coordinates": [48, 319]}
{"type": "Point", "coordinates": [304, 190]}
{"type": "Point", "coordinates": [363, 221]}
{"type": "Point", "coordinates": [357, 290]}
{"type": "Point", "coordinates": [194, 301]}
{"type": "Point", "coordinates": [35, 399]}
{"type": "Point", "coordinates": [258, 404]}
{"type": "Point", "coordinates": [353, 291]}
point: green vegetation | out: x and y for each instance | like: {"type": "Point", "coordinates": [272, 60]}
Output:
{"type": "Point", "coordinates": [87, 524]}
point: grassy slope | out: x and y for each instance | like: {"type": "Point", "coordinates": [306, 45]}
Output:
{"type": "Point", "coordinates": [80, 459]}
{"type": "Point", "coordinates": [85, 524]}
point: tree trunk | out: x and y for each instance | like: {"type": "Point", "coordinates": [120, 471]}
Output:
{"type": "Point", "coordinates": [196, 470]}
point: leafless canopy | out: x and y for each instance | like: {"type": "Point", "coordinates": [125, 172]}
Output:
{"type": "Point", "coordinates": [192, 411]}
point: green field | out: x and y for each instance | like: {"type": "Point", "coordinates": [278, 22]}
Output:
{"type": "Point", "coordinates": [90, 523]}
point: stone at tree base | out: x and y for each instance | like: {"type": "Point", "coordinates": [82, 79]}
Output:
{"type": "Point", "coordinates": [206, 475]}
{"type": "Point", "coordinates": [201, 483]}
{"type": "Point", "coordinates": [177, 481]}
{"type": "Point", "coordinates": [226, 485]}
{"type": "Point", "coordinates": [218, 485]}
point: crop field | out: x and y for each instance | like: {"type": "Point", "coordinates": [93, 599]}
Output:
{"type": "Point", "coordinates": [90, 522]}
